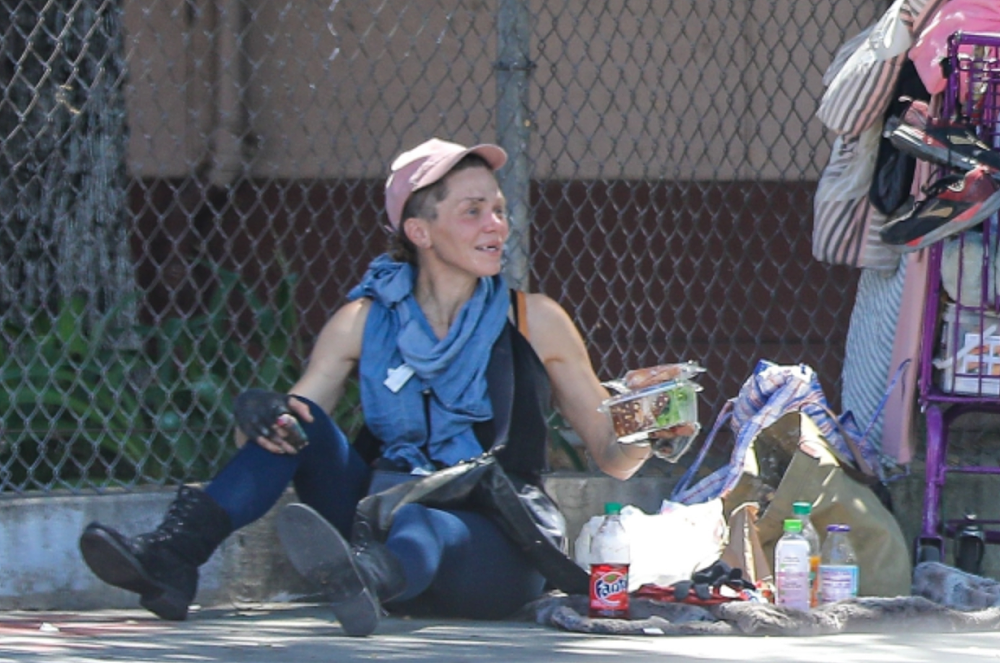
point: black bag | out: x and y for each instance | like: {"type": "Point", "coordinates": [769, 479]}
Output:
{"type": "Point", "coordinates": [522, 510]}
{"type": "Point", "coordinates": [893, 177]}
{"type": "Point", "coordinates": [894, 169]}
{"type": "Point", "coordinates": [520, 507]}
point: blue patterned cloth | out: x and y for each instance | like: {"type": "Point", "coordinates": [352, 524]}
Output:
{"type": "Point", "coordinates": [765, 397]}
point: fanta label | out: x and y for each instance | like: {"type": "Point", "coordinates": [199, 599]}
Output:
{"type": "Point", "coordinates": [609, 590]}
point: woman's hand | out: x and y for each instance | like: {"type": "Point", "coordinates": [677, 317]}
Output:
{"type": "Point", "coordinates": [333, 358]}
{"type": "Point", "coordinates": [271, 420]}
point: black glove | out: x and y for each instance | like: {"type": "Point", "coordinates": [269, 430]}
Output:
{"type": "Point", "coordinates": [713, 577]}
{"type": "Point", "coordinates": [257, 412]}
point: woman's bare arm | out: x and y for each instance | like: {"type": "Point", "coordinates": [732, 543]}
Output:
{"type": "Point", "coordinates": [577, 390]}
{"type": "Point", "coordinates": [333, 359]}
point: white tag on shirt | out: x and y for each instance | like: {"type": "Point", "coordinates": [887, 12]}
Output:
{"type": "Point", "coordinates": [398, 377]}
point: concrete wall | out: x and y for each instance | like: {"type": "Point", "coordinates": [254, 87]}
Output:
{"type": "Point", "coordinates": [41, 567]}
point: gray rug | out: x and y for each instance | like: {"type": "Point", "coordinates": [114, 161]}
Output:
{"type": "Point", "coordinates": [945, 600]}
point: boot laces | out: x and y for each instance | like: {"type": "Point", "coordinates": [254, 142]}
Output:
{"type": "Point", "coordinates": [176, 519]}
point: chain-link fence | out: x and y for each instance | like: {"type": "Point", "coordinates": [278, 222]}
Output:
{"type": "Point", "coordinates": [188, 188]}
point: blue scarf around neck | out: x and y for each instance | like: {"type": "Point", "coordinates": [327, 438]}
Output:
{"type": "Point", "coordinates": [426, 416]}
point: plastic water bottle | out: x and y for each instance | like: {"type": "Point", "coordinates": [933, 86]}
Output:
{"type": "Point", "coordinates": [791, 566]}
{"type": "Point", "coordinates": [610, 555]}
{"type": "Point", "coordinates": [838, 567]}
{"type": "Point", "coordinates": [803, 511]}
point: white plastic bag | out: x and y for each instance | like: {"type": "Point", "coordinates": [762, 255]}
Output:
{"type": "Point", "coordinates": [666, 547]}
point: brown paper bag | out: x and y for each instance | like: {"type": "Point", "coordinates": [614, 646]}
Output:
{"type": "Point", "coordinates": [743, 549]}
{"type": "Point", "coordinates": [790, 461]}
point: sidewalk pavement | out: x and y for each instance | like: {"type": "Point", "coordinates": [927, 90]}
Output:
{"type": "Point", "coordinates": [297, 633]}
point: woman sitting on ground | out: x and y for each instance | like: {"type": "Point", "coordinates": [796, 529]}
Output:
{"type": "Point", "coordinates": [419, 330]}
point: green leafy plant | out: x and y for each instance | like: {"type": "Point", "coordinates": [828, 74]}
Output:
{"type": "Point", "coordinates": [76, 407]}
{"type": "Point", "coordinates": [200, 364]}
{"type": "Point", "coordinates": [565, 447]}
{"type": "Point", "coordinates": [348, 414]}
{"type": "Point", "coordinates": [66, 401]}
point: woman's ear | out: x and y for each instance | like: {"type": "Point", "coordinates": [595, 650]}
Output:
{"type": "Point", "coordinates": [415, 229]}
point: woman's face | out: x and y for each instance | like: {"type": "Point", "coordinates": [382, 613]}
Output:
{"type": "Point", "coordinates": [471, 225]}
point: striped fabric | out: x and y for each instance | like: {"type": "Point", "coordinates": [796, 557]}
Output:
{"type": "Point", "coordinates": [863, 75]}
{"type": "Point", "coordinates": [845, 223]}
{"type": "Point", "coordinates": [859, 95]}
{"type": "Point", "coordinates": [860, 82]}
{"type": "Point", "coordinates": [844, 54]}
{"type": "Point", "coordinates": [870, 338]}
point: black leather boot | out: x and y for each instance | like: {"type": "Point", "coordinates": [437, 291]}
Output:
{"type": "Point", "coordinates": [160, 566]}
{"type": "Point", "coordinates": [356, 580]}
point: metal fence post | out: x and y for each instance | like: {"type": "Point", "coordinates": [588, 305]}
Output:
{"type": "Point", "coordinates": [514, 126]}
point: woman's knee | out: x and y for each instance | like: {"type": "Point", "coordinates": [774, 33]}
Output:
{"type": "Point", "coordinates": [421, 529]}
{"type": "Point", "coordinates": [461, 556]}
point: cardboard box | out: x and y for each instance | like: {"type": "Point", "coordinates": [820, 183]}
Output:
{"type": "Point", "coordinates": [970, 363]}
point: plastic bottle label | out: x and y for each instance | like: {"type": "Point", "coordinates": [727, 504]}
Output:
{"type": "Point", "coordinates": [792, 574]}
{"type": "Point", "coordinates": [814, 561]}
{"type": "Point", "coordinates": [837, 582]}
{"type": "Point", "coordinates": [609, 590]}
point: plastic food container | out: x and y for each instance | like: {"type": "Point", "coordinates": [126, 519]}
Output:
{"type": "Point", "coordinates": [664, 415]}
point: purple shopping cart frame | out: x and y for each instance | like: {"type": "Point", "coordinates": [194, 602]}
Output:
{"type": "Point", "coordinates": [960, 349]}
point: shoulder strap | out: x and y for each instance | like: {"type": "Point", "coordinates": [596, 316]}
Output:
{"type": "Point", "coordinates": [519, 302]}
{"type": "Point", "coordinates": [500, 386]}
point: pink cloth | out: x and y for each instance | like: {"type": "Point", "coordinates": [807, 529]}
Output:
{"type": "Point", "coordinates": [979, 16]}
{"type": "Point", "coordinates": [898, 415]}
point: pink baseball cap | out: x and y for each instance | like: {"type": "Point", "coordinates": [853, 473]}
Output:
{"type": "Point", "coordinates": [424, 165]}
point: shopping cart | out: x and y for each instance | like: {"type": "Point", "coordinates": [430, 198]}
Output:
{"type": "Point", "coordinates": [960, 352]}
